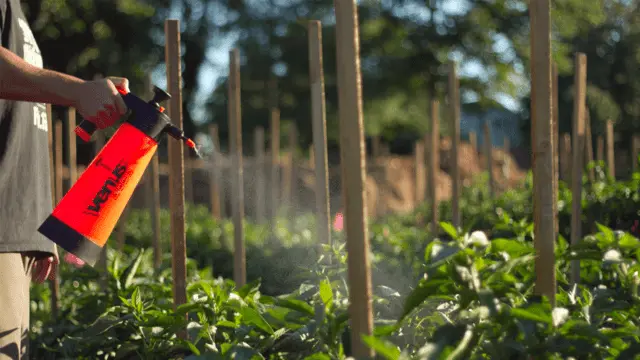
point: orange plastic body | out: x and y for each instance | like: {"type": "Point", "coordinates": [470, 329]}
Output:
{"type": "Point", "coordinates": [96, 201]}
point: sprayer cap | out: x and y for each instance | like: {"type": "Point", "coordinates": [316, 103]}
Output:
{"type": "Point", "coordinates": [160, 95]}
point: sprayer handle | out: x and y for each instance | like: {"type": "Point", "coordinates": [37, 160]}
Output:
{"type": "Point", "coordinates": [86, 128]}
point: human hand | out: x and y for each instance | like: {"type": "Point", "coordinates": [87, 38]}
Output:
{"type": "Point", "coordinates": [44, 268]}
{"type": "Point", "coordinates": [99, 101]}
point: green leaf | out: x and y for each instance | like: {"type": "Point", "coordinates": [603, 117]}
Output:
{"type": "Point", "coordinates": [136, 300]}
{"type": "Point", "coordinates": [127, 351]}
{"type": "Point", "coordinates": [512, 247]}
{"type": "Point", "coordinates": [226, 323]}
{"type": "Point", "coordinates": [382, 348]}
{"type": "Point", "coordinates": [249, 288]}
{"type": "Point", "coordinates": [608, 237]}
{"type": "Point", "coordinates": [385, 330]}
{"type": "Point", "coordinates": [438, 253]}
{"type": "Point", "coordinates": [104, 323]}
{"type": "Point", "coordinates": [533, 313]}
{"type": "Point", "coordinates": [189, 345]}
{"type": "Point", "coordinates": [424, 290]}
{"type": "Point", "coordinates": [295, 304]}
{"type": "Point", "coordinates": [449, 229]}
{"type": "Point", "coordinates": [631, 352]}
{"type": "Point", "coordinates": [326, 293]}
{"type": "Point", "coordinates": [628, 242]}
{"type": "Point", "coordinates": [130, 272]}
{"type": "Point", "coordinates": [251, 316]}
{"type": "Point", "coordinates": [186, 308]}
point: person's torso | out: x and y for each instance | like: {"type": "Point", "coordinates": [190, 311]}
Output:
{"type": "Point", "coordinates": [25, 187]}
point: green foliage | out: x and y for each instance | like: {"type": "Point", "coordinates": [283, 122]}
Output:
{"type": "Point", "coordinates": [458, 293]}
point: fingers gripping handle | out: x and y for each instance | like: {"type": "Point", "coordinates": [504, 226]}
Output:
{"type": "Point", "coordinates": [86, 128]}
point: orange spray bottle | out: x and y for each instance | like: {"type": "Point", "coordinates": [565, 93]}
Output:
{"type": "Point", "coordinates": [85, 217]}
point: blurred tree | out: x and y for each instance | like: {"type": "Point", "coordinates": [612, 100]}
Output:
{"type": "Point", "coordinates": [405, 48]}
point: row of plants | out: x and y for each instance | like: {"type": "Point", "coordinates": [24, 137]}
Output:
{"type": "Point", "coordinates": [463, 294]}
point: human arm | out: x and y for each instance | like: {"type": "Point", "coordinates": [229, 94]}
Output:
{"type": "Point", "coordinates": [22, 81]}
{"type": "Point", "coordinates": [97, 101]}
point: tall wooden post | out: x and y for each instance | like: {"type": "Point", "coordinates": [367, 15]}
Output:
{"type": "Point", "coordinates": [353, 175]}
{"type": "Point", "coordinates": [319, 126]}
{"type": "Point", "coordinates": [542, 136]}
{"type": "Point", "coordinates": [454, 102]}
{"type": "Point", "coordinates": [578, 161]}
{"type": "Point", "coordinates": [434, 163]}
{"type": "Point", "coordinates": [237, 188]}
{"type": "Point", "coordinates": [259, 173]}
{"type": "Point", "coordinates": [176, 166]}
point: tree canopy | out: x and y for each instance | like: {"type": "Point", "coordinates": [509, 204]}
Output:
{"type": "Point", "coordinates": [405, 49]}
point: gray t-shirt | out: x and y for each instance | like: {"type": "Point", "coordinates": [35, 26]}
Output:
{"type": "Point", "coordinates": [25, 187]}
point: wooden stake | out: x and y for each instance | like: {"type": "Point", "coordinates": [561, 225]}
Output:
{"type": "Point", "coordinates": [588, 144]}
{"type": "Point", "coordinates": [216, 170]}
{"type": "Point", "coordinates": [59, 190]}
{"type": "Point", "coordinates": [259, 174]}
{"type": "Point", "coordinates": [319, 126]}
{"type": "Point", "coordinates": [419, 172]}
{"type": "Point", "coordinates": [488, 151]}
{"type": "Point", "coordinates": [434, 163]}
{"type": "Point", "coordinates": [176, 164]}
{"type": "Point", "coordinates": [275, 163]}
{"type": "Point", "coordinates": [473, 141]}
{"type": "Point", "coordinates": [155, 212]}
{"type": "Point", "coordinates": [54, 284]}
{"type": "Point", "coordinates": [237, 184]}
{"type": "Point", "coordinates": [600, 148]}
{"type": "Point", "coordinates": [59, 193]}
{"type": "Point", "coordinates": [555, 144]}
{"type": "Point", "coordinates": [293, 180]}
{"type": "Point", "coordinates": [454, 102]}
{"type": "Point", "coordinates": [566, 156]}
{"type": "Point", "coordinates": [580, 81]}
{"type": "Point", "coordinates": [289, 173]}
{"type": "Point", "coordinates": [506, 159]}
{"type": "Point", "coordinates": [52, 172]}
{"type": "Point", "coordinates": [610, 145]}
{"type": "Point", "coordinates": [542, 133]}
{"type": "Point", "coordinates": [353, 164]}
{"type": "Point", "coordinates": [72, 148]}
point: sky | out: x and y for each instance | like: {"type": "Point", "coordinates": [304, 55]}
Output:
{"type": "Point", "coordinates": [220, 54]}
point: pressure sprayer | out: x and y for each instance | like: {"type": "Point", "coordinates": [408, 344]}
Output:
{"type": "Point", "coordinates": [83, 220]}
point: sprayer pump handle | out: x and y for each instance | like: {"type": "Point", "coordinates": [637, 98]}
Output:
{"type": "Point", "coordinates": [85, 130]}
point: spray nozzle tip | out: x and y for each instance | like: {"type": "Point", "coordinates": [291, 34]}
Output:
{"type": "Point", "coordinates": [190, 143]}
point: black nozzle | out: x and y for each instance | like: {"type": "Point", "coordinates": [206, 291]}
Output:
{"type": "Point", "coordinates": [160, 95]}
